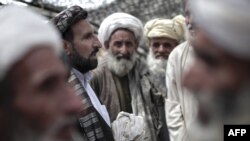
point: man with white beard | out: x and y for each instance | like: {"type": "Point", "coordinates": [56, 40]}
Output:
{"type": "Point", "coordinates": [220, 73]}
{"type": "Point", "coordinates": [163, 35]}
{"type": "Point", "coordinates": [121, 80]}
{"type": "Point", "coordinates": [37, 103]}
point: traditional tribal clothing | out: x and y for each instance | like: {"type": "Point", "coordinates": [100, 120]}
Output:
{"type": "Point", "coordinates": [120, 20]}
{"type": "Point", "coordinates": [92, 124]}
{"type": "Point", "coordinates": [180, 104]}
{"type": "Point", "coordinates": [93, 118]}
{"type": "Point", "coordinates": [169, 28]}
{"type": "Point", "coordinates": [65, 18]}
{"type": "Point", "coordinates": [144, 101]}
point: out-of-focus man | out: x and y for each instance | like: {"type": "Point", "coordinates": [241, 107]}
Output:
{"type": "Point", "coordinates": [220, 72]}
{"type": "Point", "coordinates": [37, 103]}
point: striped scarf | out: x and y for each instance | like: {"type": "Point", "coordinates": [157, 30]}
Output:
{"type": "Point", "coordinates": [88, 116]}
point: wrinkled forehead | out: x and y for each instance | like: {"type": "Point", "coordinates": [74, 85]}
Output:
{"type": "Point", "coordinates": [123, 33]}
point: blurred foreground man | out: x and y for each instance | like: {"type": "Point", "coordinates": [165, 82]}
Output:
{"type": "Point", "coordinates": [121, 81]}
{"type": "Point", "coordinates": [37, 103]}
{"type": "Point", "coordinates": [81, 45]}
{"type": "Point", "coordinates": [220, 73]}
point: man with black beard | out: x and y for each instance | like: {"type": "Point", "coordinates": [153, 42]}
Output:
{"type": "Point", "coordinates": [121, 81]}
{"type": "Point", "coordinates": [219, 75]}
{"type": "Point", "coordinates": [81, 45]}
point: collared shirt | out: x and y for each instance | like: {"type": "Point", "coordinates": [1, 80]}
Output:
{"type": "Point", "coordinates": [84, 79]}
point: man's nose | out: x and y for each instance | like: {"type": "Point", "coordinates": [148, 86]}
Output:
{"type": "Point", "coordinates": [97, 43]}
{"type": "Point", "coordinates": [124, 49]}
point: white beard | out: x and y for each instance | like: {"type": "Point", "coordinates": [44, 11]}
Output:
{"type": "Point", "coordinates": [120, 67]}
{"type": "Point", "coordinates": [156, 66]}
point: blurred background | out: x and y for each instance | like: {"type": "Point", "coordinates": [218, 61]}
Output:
{"type": "Point", "coordinates": [99, 9]}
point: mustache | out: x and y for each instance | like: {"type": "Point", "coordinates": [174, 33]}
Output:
{"type": "Point", "coordinates": [123, 56]}
{"type": "Point", "coordinates": [93, 53]}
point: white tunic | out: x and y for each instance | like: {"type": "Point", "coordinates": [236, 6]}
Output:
{"type": "Point", "coordinates": [180, 105]}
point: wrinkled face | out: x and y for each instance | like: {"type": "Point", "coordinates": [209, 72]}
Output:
{"type": "Point", "coordinates": [42, 96]}
{"type": "Point", "coordinates": [122, 44]}
{"type": "Point", "coordinates": [162, 47]}
{"type": "Point", "coordinates": [85, 47]}
{"type": "Point", "coordinates": [215, 72]}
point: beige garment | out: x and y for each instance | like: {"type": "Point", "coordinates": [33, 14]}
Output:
{"type": "Point", "coordinates": [144, 100]}
{"type": "Point", "coordinates": [129, 127]}
{"type": "Point", "coordinates": [180, 104]}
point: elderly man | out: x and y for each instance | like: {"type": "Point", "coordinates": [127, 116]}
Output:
{"type": "Point", "coordinates": [220, 72]}
{"type": "Point", "coordinates": [37, 103]}
{"type": "Point", "coordinates": [121, 81]}
{"type": "Point", "coordinates": [163, 36]}
{"type": "Point", "coordinates": [81, 45]}
{"type": "Point", "coordinates": [180, 104]}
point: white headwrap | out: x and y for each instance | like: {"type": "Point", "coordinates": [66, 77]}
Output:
{"type": "Point", "coordinates": [21, 30]}
{"type": "Point", "coordinates": [120, 20]}
{"type": "Point", "coordinates": [227, 22]}
{"type": "Point", "coordinates": [169, 28]}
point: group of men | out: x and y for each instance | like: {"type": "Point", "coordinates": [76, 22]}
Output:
{"type": "Point", "coordinates": [54, 88]}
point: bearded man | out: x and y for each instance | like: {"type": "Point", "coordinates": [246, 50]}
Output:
{"type": "Point", "coordinates": [81, 45]}
{"type": "Point", "coordinates": [163, 35]}
{"type": "Point", "coordinates": [121, 81]}
{"type": "Point", "coordinates": [219, 75]}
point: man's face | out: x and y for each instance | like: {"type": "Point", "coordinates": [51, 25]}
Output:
{"type": "Point", "coordinates": [43, 99]}
{"type": "Point", "coordinates": [121, 52]}
{"type": "Point", "coordinates": [85, 47]}
{"type": "Point", "coordinates": [215, 73]}
{"type": "Point", "coordinates": [122, 44]}
{"type": "Point", "coordinates": [162, 47]}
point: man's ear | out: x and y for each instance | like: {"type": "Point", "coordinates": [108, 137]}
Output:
{"type": "Point", "coordinates": [67, 47]}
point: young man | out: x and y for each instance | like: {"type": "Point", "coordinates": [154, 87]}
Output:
{"type": "Point", "coordinates": [81, 45]}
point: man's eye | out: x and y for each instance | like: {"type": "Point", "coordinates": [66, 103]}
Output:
{"type": "Point", "coordinates": [88, 36]}
{"type": "Point", "coordinates": [118, 44]}
{"type": "Point", "coordinates": [49, 84]}
{"type": "Point", "coordinates": [156, 45]}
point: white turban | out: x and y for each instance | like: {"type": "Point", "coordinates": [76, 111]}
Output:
{"type": "Point", "coordinates": [21, 30]}
{"type": "Point", "coordinates": [226, 22]}
{"type": "Point", "coordinates": [120, 20]}
{"type": "Point", "coordinates": [169, 28]}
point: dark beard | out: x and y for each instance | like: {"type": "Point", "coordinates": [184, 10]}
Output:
{"type": "Point", "coordinates": [82, 64]}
